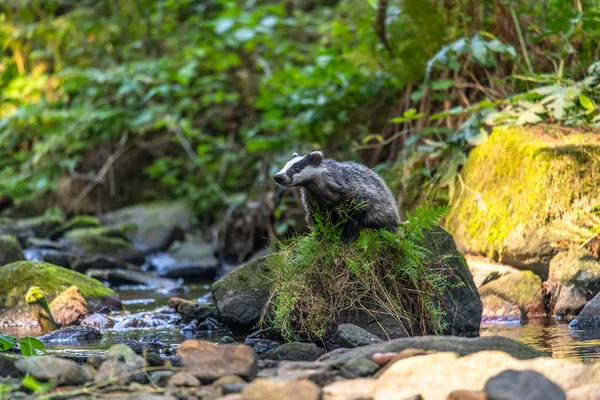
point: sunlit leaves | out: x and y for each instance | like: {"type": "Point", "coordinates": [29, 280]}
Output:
{"type": "Point", "coordinates": [7, 342]}
{"type": "Point", "coordinates": [29, 345]}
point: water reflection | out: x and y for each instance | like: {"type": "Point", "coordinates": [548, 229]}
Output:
{"type": "Point", "coordinates": [552, 337]}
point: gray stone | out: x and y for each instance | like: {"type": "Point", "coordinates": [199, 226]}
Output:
{"type": "Point", "coordinates": [10, 250]}
{"type": "Point", "coordinates": [589, 317]}
{"type": "Point", "coordinates": [573, 280]}
{"type": "Point", "coordinates": [191, 259]}
{"type": "Point", "coordinates": [183, 378]}
{"type": "Point", "coordinates": [359, 367]}
{"type": "Point", "coordinates": [350, 335]}
{"type": "Point", "coordinates": [522, 385]}
{"type": "Point", "coordinates": [161, 378]}
{"type": "Point", "coordinates": [63, 372]}
{"type": "Point", "coordinates": [117, 372]}
{"type": "Point", "coordinates": [241, 295]}
{"type": "Point", "coordinates": [295, 351]}
{"type": "Point", "coordinates": [76, 333]}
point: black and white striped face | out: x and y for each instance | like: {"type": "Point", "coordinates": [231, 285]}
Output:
{"type": "Point", "coordinates": [299, 170]}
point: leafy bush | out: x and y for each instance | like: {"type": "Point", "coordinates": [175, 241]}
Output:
{"type": "Point", "coordinates": [318, 281]}
{"type": "Point", "coordinates": [28, 344]}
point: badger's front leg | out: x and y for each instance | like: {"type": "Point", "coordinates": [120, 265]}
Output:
{"type": "Point", "coordinates": [351, 231]}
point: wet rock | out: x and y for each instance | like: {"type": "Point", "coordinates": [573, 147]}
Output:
{"type": "Point", "coordinates": [10, 250]}
{"type": "Point", "coordinates": [360, 367]}
{"type": "Point", "coordinates": [350, 335]}
{"type": "Point", "coordinates": [126, 354]}
{"type": "Point", "coordinates": [241, 295]}
{"type": "Point", "coordinates": [523, 288]}
{"type": "Point", "coordinates": [69, 307]}
{"type": "Point", "coordinates": [105, 242]}
{"type": "Point", "coordinates": [295, 351]}
{"type": "Point", "coordinates": [208, 362]}
{"type": "Point", "coordinates": [521, 204]}
{"type": "Point", "coordinates": [573, 280]}
{"type": "Point", "coordinates": [59, 258]}
{"type": "Point", "coordinates": [183, 379]}
{"type": "Point", "coordinates": [190, 259]}
{"type": "Point", "coordinates": [41, 226]}
{"type": "Point", "coordinates": [484, 271]}
{"type": "Point", "coordinates": [63, 372]}
{"type": "Point", "coordinates": [190, 310]}
{"type": "Point", "coordinates": [132, 277]}
{"type": "Point", "coordinates": [72, 334]}
{"type": "Point", "coordinates": [522, 385]}
{"type": "Point", "coordinates": [497, 310]}
{"type": "Point", "coordinates": [17, 278]}
{"type": "Point", "coordinates": [98, 321]}
{"type": "Point", "coordinates": [263, 340]}
{"type": "Point", "coordinates": [263, 389]}
{"type": "Point", "coordinates": [148, 346]}
{"type": "Point", "coordinates": [159, 224]}
{"type": "Point", "coordinates": [589, 317]}
{"type": "Point", "coordinates": [161, 378]}
{"type": "Point", "coordinates": [227, 340]}
{"type": "Point", "coordinates": [228, 384]}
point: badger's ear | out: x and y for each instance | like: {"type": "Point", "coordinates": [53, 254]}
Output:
{"type": "Point", "coordinates": [315, 157]}
{"type": "Point", "coordinates": [295, 155]}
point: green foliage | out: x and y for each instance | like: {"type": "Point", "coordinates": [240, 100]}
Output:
{"type": "Point", "coordinates": [28, 344]}
{"type": "Point", "coordinates": [318, 280]}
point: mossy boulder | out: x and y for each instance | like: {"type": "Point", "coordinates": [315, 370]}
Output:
{"type": "Point", "coordinates": [574, 279]}
{"type": "Point", "coordinates": [241, 295]}
{"type": "Point", "coordinates": [18, 277]}
{"type": "Point", "coordinates": [159, 223]}
{"type": "Point", "coordinates": [104, 241]}
{"type": "Point", "coordinates": [523, 288]}
{"type": "Point", "coordinates": [10, 250]}
{"type": "Point", "coordinates": [77, 222]}
{"type": "Point", "coordinates": [527, 193]}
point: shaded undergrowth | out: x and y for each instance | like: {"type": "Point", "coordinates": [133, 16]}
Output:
{"type": "Point", "coordinates": [319, 281]}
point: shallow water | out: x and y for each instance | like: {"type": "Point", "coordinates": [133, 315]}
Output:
{"type": "Point", "coordinates": [548, 335]}
{"type": "Point", "coordinates": [552, 337]}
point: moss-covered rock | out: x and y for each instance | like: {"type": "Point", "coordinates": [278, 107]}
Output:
{"type": "Point", "coordinates": [10, 250]}
{"type": "Point", "coordinates": [104, 241]}
{"type": "Point", "coordinates": [523, 288]}
{"type": "Point", "coordinates": [41, 226]}
{"type": "Point", "coordinates": [526, 193]}
{"type": "Point", "coordinates": [159, 223]}
{"type": "Point", "coordinates": [241, 295]}
{"type": "Point", "coordinates": [573, 280]}
{"type": "Point", "coordinates": [18, 277]}
{"type": "Point", "coordinates": [77, 222]}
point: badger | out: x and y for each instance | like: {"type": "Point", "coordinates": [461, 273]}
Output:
{"type": "Point", "coordinates": [328, 184]}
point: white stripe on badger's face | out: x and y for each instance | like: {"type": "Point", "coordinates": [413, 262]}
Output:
{"type": "Point", "coordinates": [289, 165]}
{"type": "Point", "coordinates": [297, 172]}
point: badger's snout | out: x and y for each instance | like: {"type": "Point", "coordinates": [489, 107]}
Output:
{"type": "Point", "coordinates": [279, 178]}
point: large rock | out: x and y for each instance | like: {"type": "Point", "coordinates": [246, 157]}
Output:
{"type": "Point", "coordinates": [10, 250]}
{"type": "Point", "coordinates": [159, 224]}
{"type": "Point", "coordinates": [108, 242]}
{"type": "Point", "coordinates": [573, 280]}
{"type": "Point", "coordinates": [208, 361]}
{"type": "Point", "coordinates": [497, 310]}
{"type": "Point", "coordinates": [523, 289]}
{"type": "Point", "coordinates": [241, 295]}
{"type": "Point", "coordinates": [589, 317]}
{"type": "Point", "coordinates": [295, 351]}
{"type": "Point", "coordinates": [61, 371]}
{"type": "Point", "coordinates": [529, 193]}
{"type": "Point", "coordinates": [69, 307]}
{"type": "Point", "coordinates": [413, 376]}
{"type": "Point", "coordinates": [17, 278]}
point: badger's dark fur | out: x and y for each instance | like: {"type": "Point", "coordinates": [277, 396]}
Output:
{"type": "Point", "coordinates": [328, 184]}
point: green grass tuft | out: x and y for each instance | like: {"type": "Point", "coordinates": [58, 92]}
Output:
{"type": "Point", "coordinates": [318, 280]}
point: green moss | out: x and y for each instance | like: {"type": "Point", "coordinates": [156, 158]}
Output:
{"type": "Point", "coordinates": [18, 277]}
{"type": "Point", "coordinates": [99, 240]}
{"type": "Point", "coordinates": [319, 281]}
{"type": "Point", "coordinates": [518, 181]}
{"type": "Point", "coordinates": [79, 221]}
{"type": "Point", "coordinates": [522, 288]}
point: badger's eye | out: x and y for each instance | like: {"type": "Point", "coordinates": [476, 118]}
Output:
{"type": "Point", "coordinates": [296, 168]}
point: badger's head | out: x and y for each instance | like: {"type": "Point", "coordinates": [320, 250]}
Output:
{"type": "Point", "coordinates": [300, 170]}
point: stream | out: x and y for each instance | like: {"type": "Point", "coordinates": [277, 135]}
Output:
{"type": "Point", "coordinates": [551, 336]}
